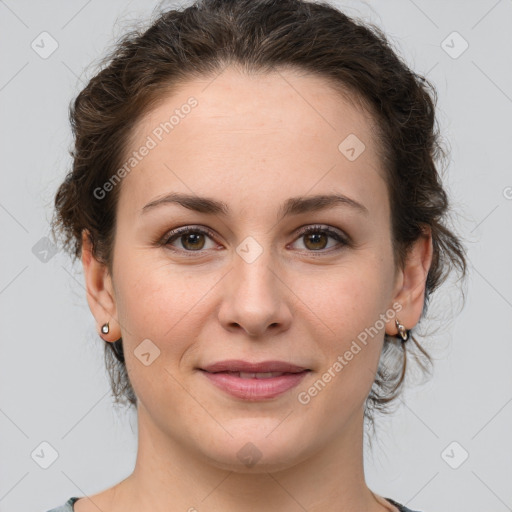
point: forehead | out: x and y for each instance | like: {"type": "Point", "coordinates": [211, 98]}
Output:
{"type": "Point", "coordinates": [272, 100]}
{"type": "Point", "coordinates": [263, 133]}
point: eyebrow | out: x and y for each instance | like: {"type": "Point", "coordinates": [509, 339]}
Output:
{"type": "Point", "coordinates": [292, 206]}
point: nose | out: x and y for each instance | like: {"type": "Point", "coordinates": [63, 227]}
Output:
{"type": "Point", "coordinates": [255, 299]}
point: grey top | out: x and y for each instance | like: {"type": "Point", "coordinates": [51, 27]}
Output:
{"type": "Point", "coordinates": [68, 506]}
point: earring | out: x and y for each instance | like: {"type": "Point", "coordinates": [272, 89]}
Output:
{"type": "Point", "coordinates": [105, 328]}
{"type": "Point", "coordinates": [402, 331]}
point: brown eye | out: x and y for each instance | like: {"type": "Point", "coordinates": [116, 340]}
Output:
{"type": "Point", "coordinates": [190, 239]}
{"type": "Point", "coordinates": [316, 241]}
{"type": "Point", "coordinates": [316, 238]}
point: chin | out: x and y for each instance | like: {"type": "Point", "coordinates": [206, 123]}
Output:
{"type": "Point", "coordinates": [253, 462]}
{"type": "Point", "coordinates": [263, 450]}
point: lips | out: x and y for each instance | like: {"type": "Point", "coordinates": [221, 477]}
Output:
{"type": "Point", "coordinates": [248, 381]}
{"type": "Point", "coordinates": [245, 368]}
{"type": "Point", "coordinates": [255, 375]}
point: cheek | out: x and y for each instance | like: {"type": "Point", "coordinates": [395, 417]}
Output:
{"type": "Point", "coordinates": [156, 308]}
{"type": "Point", "coordinates": [159, 302]}
{"type": "Point", "coordinates": [349, 305]}
{"type": "Point", "coordinates": [354, 343]}
{"type": "Point", "coordinates": [150, 306]}
{"type": "Point", "coordinates": [172, 308]}
{"type": "Point", "coordinates": [350, 297]}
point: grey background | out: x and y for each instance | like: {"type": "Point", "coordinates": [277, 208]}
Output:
{"type": "Point", "coordinates": [53, 386]}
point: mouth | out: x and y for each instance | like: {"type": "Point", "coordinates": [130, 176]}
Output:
{"type": "Point", "coordinates": [255, 375]}
{"type": "Point", "coordinates": [254, 381]}
{"type": "Point", "coordinates": [247, 367]}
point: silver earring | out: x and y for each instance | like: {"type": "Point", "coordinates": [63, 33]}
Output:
{"type": "Point", "coordinates": [402, 331]}
{"type": "Point", "coordinates": [105, 328]}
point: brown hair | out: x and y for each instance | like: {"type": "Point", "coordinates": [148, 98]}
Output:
{"type": "Point", "coordinates": [262, 35]}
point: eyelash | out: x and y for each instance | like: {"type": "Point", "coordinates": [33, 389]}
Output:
{"type": "Point", "coordinates": [175, 234]}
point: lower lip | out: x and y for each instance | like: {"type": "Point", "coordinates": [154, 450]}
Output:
{"type": "Point", "coordinates": [255, 389]}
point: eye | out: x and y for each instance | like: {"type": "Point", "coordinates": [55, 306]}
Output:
{"type": "Point", "coordinates": [316, 237]}
{"type": "Point", "coordinates": [194, 239]}
{"type": "Point", "coordinates": [191, 239]}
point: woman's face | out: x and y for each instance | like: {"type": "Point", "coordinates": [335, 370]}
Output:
{"type": "Point", "coordinates": [246, 283]}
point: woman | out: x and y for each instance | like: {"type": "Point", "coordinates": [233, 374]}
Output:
{"type": "Point", "coordinates": [255, 201]}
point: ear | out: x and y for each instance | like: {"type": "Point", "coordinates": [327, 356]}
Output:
{"type": "Point", "coordinates": [100, 291]}
{"type": "Point", "coordinates": [411, 283]}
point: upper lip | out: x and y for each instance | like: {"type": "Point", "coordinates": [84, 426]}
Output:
{"type": "Point", "coordinates": [237, 365]}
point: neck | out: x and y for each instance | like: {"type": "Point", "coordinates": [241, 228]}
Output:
{"type": "Point", "coordinates": [170, 475]}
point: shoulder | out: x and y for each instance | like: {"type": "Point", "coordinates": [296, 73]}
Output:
{"type": "Point", "coordinates": [67, 507]}
{"type": "Point", "coordinates": [401, 508]}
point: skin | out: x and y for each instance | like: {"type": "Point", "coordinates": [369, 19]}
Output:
{"type": "Point", "coordinates": [252, 142]}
